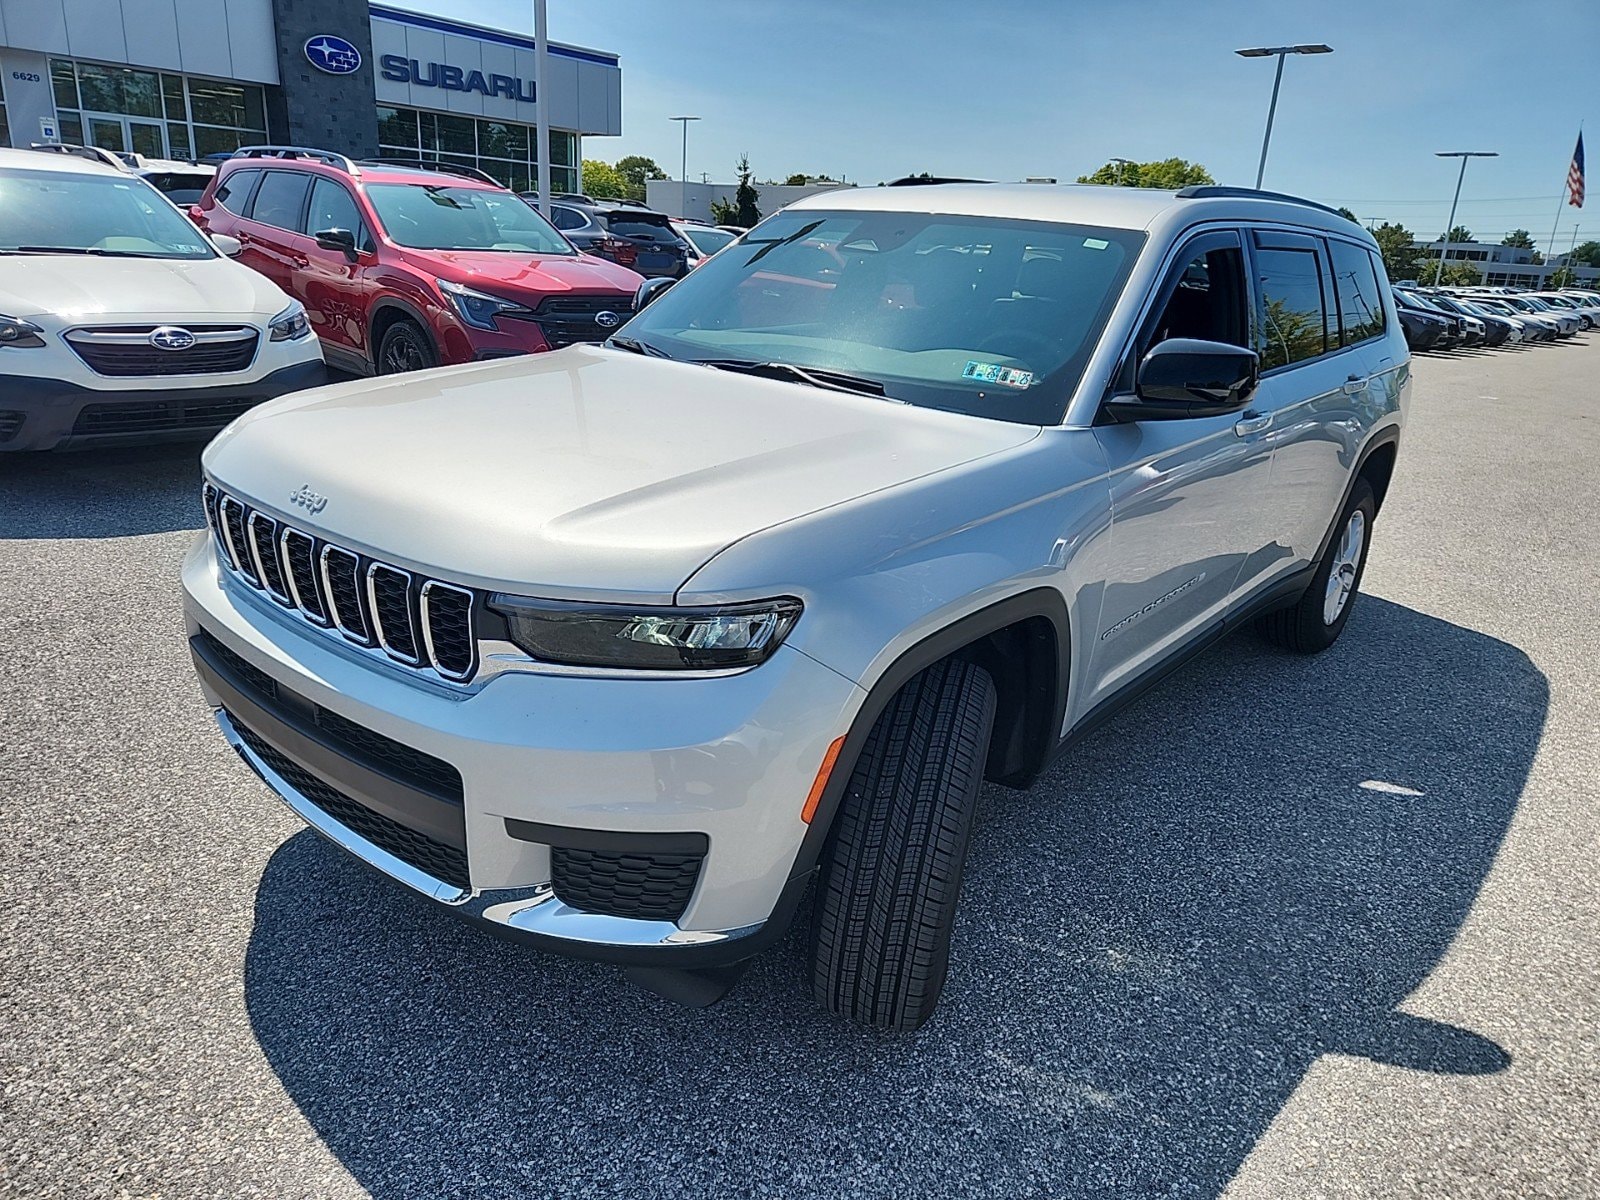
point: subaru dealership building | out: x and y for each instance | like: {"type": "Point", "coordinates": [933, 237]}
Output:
{"type": "Point", "coordinates": [187, 78]}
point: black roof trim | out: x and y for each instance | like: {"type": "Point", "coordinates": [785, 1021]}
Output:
{"type": "Point", "coordinates": [1204, 191]}
{"type": "Point", "coordinates": [914, 181]}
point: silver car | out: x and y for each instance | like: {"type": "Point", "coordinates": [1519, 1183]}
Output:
{"type": "Point", "coordinates": [620, 650]}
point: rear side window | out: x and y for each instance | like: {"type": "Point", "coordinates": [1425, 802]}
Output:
{"type": "Point", "coordinates": [1293, 318]}
{"type": "Point", "coordinates": [563, 217]}
{"type": "Point", "coordinates": [280, 199]}
{"type": "Point", "coordinates": [1356, 286]}
{"type": "Point", "coordinates": [233, 193]}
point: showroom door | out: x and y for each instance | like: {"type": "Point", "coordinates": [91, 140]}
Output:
{"type": "Point", "coordinates": [121, 134]}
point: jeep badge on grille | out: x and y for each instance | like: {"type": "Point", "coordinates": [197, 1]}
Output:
{"type": "Point", "coordinates": [307, 499]}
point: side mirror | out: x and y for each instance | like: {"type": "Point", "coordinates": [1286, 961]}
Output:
{"type": "Point", "coordinates": [649, 290]}
{"type": "Point", "coordinates": [338, 239]}
{"type": "Point", "coordinates": [228, 245]}
{"type": "Point", "coordinates": [1187, 377]}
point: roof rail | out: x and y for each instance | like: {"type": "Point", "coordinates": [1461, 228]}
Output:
{"type": "Point", "coordinates": [915, 181]}
{"type": "Point", "coordinates": [444, 168]}
{"type": "Point", "coordinates": [329, 158]}
{"type": "Point", "coordinates": [92, 153]}
{"type": "Point", "coordinates": [1202, 191]}
{"type": "Point", "coordinates": [577, 197]}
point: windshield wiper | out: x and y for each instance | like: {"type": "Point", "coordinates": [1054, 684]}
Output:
{"type": "Point", "coordinates": [638, 347]}
{"type": "Point", "coordinates": [96, 251]}
{"type": "Point", "coordinates": [821, 377]}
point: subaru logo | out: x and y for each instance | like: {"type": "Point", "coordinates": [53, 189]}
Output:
{"type": "Point", "coordinates": [170, 337]}
{"type": "Point", "coordinates": [607, 320]}
{"type": "Point", "coordinates": [333, 55]}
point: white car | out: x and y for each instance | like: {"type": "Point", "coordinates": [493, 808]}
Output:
{"type": "Point", "coordinates": [119, 319]}
{"type": "Point", "coordinates": [181, 182]}
{"type": "Point", "coordinates": [703, 240]}
{"type": "Point", "coordinates": [1587, 311]}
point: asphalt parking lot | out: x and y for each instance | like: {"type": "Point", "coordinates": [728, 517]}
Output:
{"type": "Point", "coordinates": [1287, 927]}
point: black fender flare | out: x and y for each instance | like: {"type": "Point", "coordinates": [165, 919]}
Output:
{"type": "Point", "coordinates": [1389, 435]}
{"type": "Point", "coordinates": [412, 313]}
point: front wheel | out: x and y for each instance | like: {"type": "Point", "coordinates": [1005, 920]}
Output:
{"type": "Point", "coordinates": [405, 347]}
{"type": "Point", "coordinates": [1315, 621]}
{"type": "Point", "coordinates": [891, 873]}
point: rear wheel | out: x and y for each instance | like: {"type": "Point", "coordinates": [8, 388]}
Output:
{"type": "Point", "coordinates": [405, 347]}
{"type": "Point", "coordinates": [891, 873]}
{"type": "Point", "coordinates": [1316, 620]}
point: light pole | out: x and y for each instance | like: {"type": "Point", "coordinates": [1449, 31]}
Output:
{"type": "Point", "coordinates": [1272, 109]}
{"type": "Point", "coordinates": [1444, 244]}
{"type": "Point", "coordinates": [1122, 162]}
{"type": "Point", "coordinates": [683, 167]}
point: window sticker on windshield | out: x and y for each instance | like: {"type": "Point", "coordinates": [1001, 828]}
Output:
{"type": "Point", "coordinates": [995, 373]}
{"type": "Point", "coordinates": [1095, 243]}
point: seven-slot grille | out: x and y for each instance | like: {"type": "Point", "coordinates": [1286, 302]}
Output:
{"type": "Point", "coordinates": [414, 621]}
{"type": "Point", "coordinates": [125, 351]}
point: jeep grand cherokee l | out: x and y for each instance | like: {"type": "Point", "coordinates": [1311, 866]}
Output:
{"type": "Point", "coordinates": [906, 490]}
{"type": "Point", "coordinates": [402, 266]}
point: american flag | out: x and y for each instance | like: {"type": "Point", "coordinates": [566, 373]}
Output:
{"type": "Point", "coordinates": [1575, 176]}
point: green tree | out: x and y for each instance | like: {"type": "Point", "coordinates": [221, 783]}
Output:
{"type": "Point", "coordinates": [745, 197]}
{"type": "Point", "coordinates": [1563, 277]}
{"type": "Point", "coordinates": [1588, 253]}
{"type": "Point", "coordinates": [635, 170]}
{"type": "Point", "coordinates": [1348, 215]}
{"type": "Point", "coordinates": [1459, 233]}
{"type": "Point", "coordinates": [796, 180]}
{"type": "Point", "coordinates": [1170, 173]}
{"type": "Point", "coordinates": [601, 179]}
{"type": "Point", "coordinates": [1400, 257]}
{"type": "Point", "coordinates": [724, 212]}
{"type": "Point", "coordinates": [1457, 273]}
{"type": "Point", "coordinates": [1520, 238]}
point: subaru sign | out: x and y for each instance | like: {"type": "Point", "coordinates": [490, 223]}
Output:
{"type": "Point", "coordinates": [398, 69]}
{"type": "Point", "coordinates": [332, 54]}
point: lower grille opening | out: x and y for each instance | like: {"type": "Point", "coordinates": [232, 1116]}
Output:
{"type": "Point", "coordinates": [10, 424]}
{"type": "Point", "coordinates": [426, 855]}
{"type": "Point", "coordinates": [157, 416]}
{"type": "Point", "coordinates": [653, 887]}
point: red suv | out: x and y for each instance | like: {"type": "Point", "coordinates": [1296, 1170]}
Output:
{"type": "Point", "coordinates": [404, 266]}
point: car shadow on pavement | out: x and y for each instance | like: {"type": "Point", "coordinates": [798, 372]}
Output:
{"type": "Point", "coordinates": [120, 492]}
{"type": "Point", "coordinates": [1253, 866]}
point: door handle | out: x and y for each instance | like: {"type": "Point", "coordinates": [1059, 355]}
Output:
{"type": "Point", "coordinates": [1356, 383]}
{"type": "Point", "coordinates": [1251, 423]}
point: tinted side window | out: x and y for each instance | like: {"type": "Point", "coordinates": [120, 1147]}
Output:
{"type": "Point", "coordinates": [1293, 322]}
{"type": "Point", "coordinates": [332, 207]}
{"type": "Point", "coordinates": [234, 191]}
{"type": "Point", "coordinates": [1360, 303]}
{"type": "Point", "coordinates": [280, 198]}
{"type": "Point", "coordinates": [563, 217]}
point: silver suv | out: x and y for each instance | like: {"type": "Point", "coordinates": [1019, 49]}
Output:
{"type": "Point", "coordinates": [618, 650]}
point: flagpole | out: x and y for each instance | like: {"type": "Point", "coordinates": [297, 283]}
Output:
{"type": "Point", "coordinates": [1566, 188]}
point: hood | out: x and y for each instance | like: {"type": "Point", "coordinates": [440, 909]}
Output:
{"type": "Point", "coordinates": [531, 276]}
{"type": "Point", "coordinates": [586, 473]}
{"type": "Point", "coordinates": [73, 287]}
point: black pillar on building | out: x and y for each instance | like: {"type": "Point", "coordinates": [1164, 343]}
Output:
{"type": "Point", "coordinates": [311, 107]}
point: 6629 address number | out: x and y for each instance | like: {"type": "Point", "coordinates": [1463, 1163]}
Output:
{"type": "Point", "coordinates": [27, 76]}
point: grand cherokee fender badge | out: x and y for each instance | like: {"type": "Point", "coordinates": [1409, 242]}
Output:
{"type": "Point", "coordinates": [1151, 607]}
{"type": "Point", "coordinates": [307, 499]}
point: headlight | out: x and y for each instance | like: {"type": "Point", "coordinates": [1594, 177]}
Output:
{"type": "Point", "coordinates": [290, 324]}
{"type": "Point", "coordinates": [20, 334]}
{"type": "Point", "coordinates": [478, 309]}
{"type": "Point", "coordinates": [649, 639]}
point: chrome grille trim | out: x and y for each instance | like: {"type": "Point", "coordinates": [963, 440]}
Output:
{"type": "Point", "coordinates": [141, 337]}
{"type": "Point", "coordinates": [251, 544]}
{"type": "Point", "coordinates": [430, 588]}
{"type": "Point", "coordinates": [411, 659]}
{"type": "Point", "coordinates": [256, 522]}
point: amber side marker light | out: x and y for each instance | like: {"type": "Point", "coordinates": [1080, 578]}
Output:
{"type": "Point", "coordinates": [821, 784]}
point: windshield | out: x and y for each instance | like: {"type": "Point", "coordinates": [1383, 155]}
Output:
{"type": "Point", "coordinates": [708, 241]}
{"type": "Point", "coordinates": [45, 212]}
{"type": "Point", "coordinates": [441, 217]}
{"type": "Point", "coordinates": [978, 315]}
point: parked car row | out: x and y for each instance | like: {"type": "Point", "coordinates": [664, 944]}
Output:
{"type": "Point", "coordinates": [1447, 318]}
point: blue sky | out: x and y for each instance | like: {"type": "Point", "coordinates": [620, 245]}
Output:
{"type": "Point", "coordinates": [1006, 89]}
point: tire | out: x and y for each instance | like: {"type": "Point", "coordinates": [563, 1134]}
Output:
{"type": "Point", "coordinates": [405, 347]}
{"type": "Point", "coordinates": [891, 872]}
{"type": "Point", "coordinates": [1315, 621]}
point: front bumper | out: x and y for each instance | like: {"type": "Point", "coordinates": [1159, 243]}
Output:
{"type": "Point", "coordinates": [571, 759]}
{"type": "Point", "coordinates": [40, 413]}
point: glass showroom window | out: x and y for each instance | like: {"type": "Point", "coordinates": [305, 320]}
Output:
{"type": "Point", "coordinates": [5, 127]}
{"type": "Point", "coordinates": [154, 114]}
{"type": "Point", "coordinates": [506, 150]}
